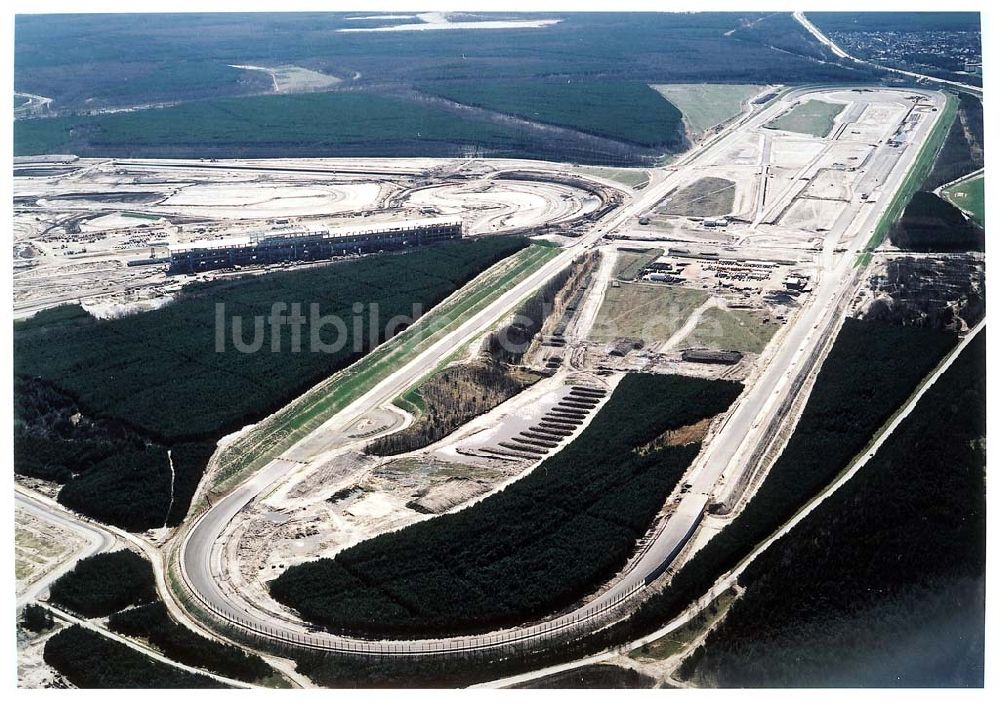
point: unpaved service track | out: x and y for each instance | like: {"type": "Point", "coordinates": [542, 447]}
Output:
{"type": "Point", "coordinates": [721, 459]}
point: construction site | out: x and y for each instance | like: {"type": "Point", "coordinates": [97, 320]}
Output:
{"type": "Point", "coordinates": [735, 263]}
{"type": "Point", "coordinates": [113, 234]}
{"type": "Point", "coordinates": [280, 247]}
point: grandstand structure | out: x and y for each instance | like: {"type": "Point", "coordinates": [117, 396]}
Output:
{"type": "Point", "coordinates": [305, 246]}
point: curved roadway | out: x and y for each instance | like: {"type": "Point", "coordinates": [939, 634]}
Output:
{"type": "Point", "coordinates": [202, 548]}
{"type": "Point", "coordinates": [97, 541]}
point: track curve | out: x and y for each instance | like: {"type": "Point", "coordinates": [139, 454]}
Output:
{"type": "Point", "coordinates": [201, 550]}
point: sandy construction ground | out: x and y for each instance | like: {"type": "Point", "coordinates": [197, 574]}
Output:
{"type": "Point", "coordinates": [78, 223]}
{"type": "Point", "coordinates": [343, 497]}
{"type": "Point", "coordinates": [812, 213]}
{"type": "Point", "coordinates": [263, 199]}
{"type": "Point", "coordinates": [294, 79]}
{"type": "Point", "coordinates": [500, 205]}
{"type": "Point", "coordinates": [430, 21]}
{"type": "Point", "coordinates": [774, 266]}
{"type": "Point", "coordinates": [831, 184]}
{"type": "Point", "coordinates": [32, 671]}
{"type": "Point", "coordinates": [39, 547]}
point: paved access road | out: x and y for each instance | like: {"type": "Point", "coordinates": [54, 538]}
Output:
{"type": "Point", "coordinates": [97, 541]}
{"type": "Point", "coordinates": [800, 17]}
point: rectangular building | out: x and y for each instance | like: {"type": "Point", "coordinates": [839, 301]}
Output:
{"type": "Point", "coordinates": [308, 246]}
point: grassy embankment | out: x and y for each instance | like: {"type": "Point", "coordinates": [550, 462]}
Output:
{"type": "Point", "coordinates": [675, 642]}
{"type": "Point", "coordinates": [450, 395]}
{"type": "Point", "coordinates": [297, 420]}
{"type": "Point", "coordinates": [814, 117]}
{"type": "Point", "coordinates": [970, 196]}
{"type": "Point", "coordinates": [130, 434]}
{"type": "Point", "coordinates": [705, 105]}
{"type": "Point", "coordinates": [916, 176]}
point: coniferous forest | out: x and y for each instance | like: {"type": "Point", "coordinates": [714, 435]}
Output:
{"type": "Point", "coordinates": [126, 412]}
{"type": "Point", "coordinates": [883, 584]}
{"type": "Point", "coordinates": [536, 546]}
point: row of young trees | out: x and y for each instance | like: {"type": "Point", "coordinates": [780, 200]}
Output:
{"type": "Point", "coordinates": [178, 643]}
{"type": "Point", "coordinates": [541, 543]}
{"type": "Point", "coordinates": [460, 393]}
{"type": "Point", "coordinates": [450, 399]}
{"type": "Point", "coordinates": [510, 343]}
{"type": "Point", "coordinates": [89, 660]}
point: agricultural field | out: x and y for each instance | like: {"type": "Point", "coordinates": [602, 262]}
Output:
{"type": "Point", "coordinates": [822, 610]}
{"type": "Point", "coordinates": [814, 117]}
{"type": "Point", "coordinates": [626, 111]}
{"type": "Point", "coordinates": [705, 198]}
{"type": "Point", "coordinates": [536, 546]}
{"type": "Point", "coordinates": [652, 312]}
{"type": "Point", "coordinates": [630, 262]}
{"type": "Point", "coordinates": [145, 475]}
{"type": "Point", "coordinates": [726, 329]}
{"type": "Point", "coordinates": [970, 196]}
{"type": "Point", "coordinates": [294, 79]}
{"type": "Point", "coordinates": [705, 105]}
